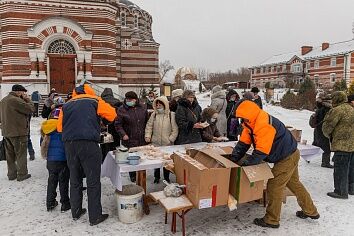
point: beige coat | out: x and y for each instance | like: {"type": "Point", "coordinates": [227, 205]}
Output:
{"type": "Point", "coordinates": [162, 128]}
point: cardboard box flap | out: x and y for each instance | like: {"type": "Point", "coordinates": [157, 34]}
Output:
{"type": "Point", "coordinates": [258, 172]}
{"type": "Point", "coordinates": [222, 160]}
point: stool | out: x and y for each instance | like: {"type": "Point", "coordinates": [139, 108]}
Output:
{"type": "Point", "coordinates": [178, 206]}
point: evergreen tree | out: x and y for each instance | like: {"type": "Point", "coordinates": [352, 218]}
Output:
{"type": "Point", "coordinates": [307, 85]}
{"type": "Point", "coordinates": [340, 85]}
{"type": "Point", "coordinates": [351, 88]}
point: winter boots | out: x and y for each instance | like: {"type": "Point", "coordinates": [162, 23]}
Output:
{"type": "Point", "coordinates": [262, 223]}
{"type": "Point", "coordinates": [100, 219]}
{"type": "Point", "coordinates": [302, 215]}
{"type": "Point", "coordinates": [326, 160]}
{"type": "Point", "coordinates": [336, 195]}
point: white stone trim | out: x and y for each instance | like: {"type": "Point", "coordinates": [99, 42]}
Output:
{"type": "Point", "coordinates": [36, 29]}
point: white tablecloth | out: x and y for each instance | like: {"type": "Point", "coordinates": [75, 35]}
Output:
{"type": "Point", "coordinates": [114, 171]}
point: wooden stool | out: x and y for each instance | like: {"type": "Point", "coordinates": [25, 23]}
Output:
{"type": "Point", "coordinates": [178, 206]}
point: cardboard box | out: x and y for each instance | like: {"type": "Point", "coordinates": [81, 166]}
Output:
{"type": "Point", "coordinates": [247, 182]}
{"type": "Point", "coordinates": [206, 175]}
{"type": "Point", "coordinates": [296, 133]}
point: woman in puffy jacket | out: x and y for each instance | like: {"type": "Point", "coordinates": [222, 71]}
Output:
{"type": "Point", "coordinates": [161, 129]}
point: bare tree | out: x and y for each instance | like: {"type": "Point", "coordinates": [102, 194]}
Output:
{"type": "Point", "coordinates": [202, 74]}
{"type": "Point", "coordinates": [165, 67]}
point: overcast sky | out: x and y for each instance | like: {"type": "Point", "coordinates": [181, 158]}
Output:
{"type": "Point", "coordinates": [226, 34]}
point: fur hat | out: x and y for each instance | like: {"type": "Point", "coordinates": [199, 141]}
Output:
{"type": "Point", "coordinates": [188, 93]}
{"type": "Point", "coordinates": [177, 93]}
{"type": "Point", "coordinates": [131, 95]}
{"type": "Point", "coordinates": [339, 98]}
{"type": "Point", "coordinates": [18, 88]}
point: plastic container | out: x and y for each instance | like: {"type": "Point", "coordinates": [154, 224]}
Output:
{"type": "Point", "coordinates": [130, 204]}
{"type": "Point", "coordinates": [133, 160]}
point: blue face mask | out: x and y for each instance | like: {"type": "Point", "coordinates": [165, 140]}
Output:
{"type": "Point", "coordinates": [130, 104]}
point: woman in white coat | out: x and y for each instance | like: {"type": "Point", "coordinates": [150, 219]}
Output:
{"type": "Point", "coordinates": [161, 129]}
{"type": "Point", "coordinates": [219, 103]}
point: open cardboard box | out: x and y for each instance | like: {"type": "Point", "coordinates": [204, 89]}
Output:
{"type": "Point", "coordinates": [247, 182]}
{"type": "Point", "coordinates": [206, 175]}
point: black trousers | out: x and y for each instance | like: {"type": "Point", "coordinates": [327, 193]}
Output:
{"type": "Point", "coordinates": [84, 158]}
{"type": "Point", "coordinates": [35, 113]}
{"type": "Point", "coordinates": [58, 174]}
{"type": "Point", "coordinates": [343, 172]}
{"type": "Point", "coordinates": [166, 174]}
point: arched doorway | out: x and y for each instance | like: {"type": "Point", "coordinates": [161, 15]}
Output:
{"type": "Point", "coordinates": [62, 55]}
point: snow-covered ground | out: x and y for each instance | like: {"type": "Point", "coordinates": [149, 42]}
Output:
{"type": "Point", "coordinates": [23, 210]}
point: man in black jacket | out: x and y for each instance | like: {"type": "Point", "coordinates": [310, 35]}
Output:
{"type": "Point", "coordinates": [79, 122]}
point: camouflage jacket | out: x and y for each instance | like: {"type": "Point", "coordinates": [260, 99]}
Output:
{"type": "Point", "coordinates": [338, 126]}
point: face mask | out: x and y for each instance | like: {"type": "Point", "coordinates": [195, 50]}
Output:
{"type": "Point", "coordinates": [151, 99]}
{"type": "Point", "coordinates": [130, 104]}
{"type": "Point", "coordinates": [160, 110]}
{"type": "Point", "coordinates": [213, 120]}
{"type": "Point", "coordinates": [232, 99]}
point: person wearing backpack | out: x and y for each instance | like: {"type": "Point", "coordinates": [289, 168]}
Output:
{"type": "Point", "coordinates": [161, 130]}
{"type": "Point", "coordinates": [323, 105]}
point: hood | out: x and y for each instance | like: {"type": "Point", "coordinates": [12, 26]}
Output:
{"type": "Point", "coordinates": [339, 98]}
{"type": "Point", "coordinates": [49, 126]}
{"type": "Point", "coordinates": [83, 89]}
{"type": "Point", "coordinates": [216, 89]}
{"type": "Point", "coordinates": [219, 94]}
{"type": "Point", "coordinates": [248, 110]}
{"type": "Point", "coordinates": [184, 102]}
{"type": "Point", "coordinates": [107, 92]}
{"type": "Point", "coordinates": [164, 100]}
{"type": "Point", "coordinates": [208, 113]}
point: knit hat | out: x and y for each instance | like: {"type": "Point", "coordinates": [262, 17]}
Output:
{"type": "Point", "coordinates": [177, 93]}
{"type": "Point", "coordinates": [59, 101]}
{"type": "Point", "coordinates": [188, 93]}
{"type": "Point", "coordinates": [248, 96]}
{"type": "Point", "coordinates": [255, 90]}
{"type": "Point", "coordinates": [323, 97]}
{"type": "Point", "coordinates": [339, 98]}
{"type": "Point", "coordinates": [18, 88]}
{"type": "Point", "coordinates": [131, 95]}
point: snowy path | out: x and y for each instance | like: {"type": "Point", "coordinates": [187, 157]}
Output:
{"type": "Point", "coordinates": [23, 211]}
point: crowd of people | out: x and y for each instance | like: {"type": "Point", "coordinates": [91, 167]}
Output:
{"type": "Point", "coordinates": [74, 153]}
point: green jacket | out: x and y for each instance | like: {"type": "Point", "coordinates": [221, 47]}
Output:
{"type": "Point", "coordinates": [14, 115]}
{"type": "Point", "coordinates": [338, 125]}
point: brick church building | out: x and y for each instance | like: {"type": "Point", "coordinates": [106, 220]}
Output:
{"type": "Point", "coordinates": [48, 44]}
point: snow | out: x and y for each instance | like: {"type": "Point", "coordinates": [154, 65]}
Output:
{"type": "Point", "coordinates": [23, 210]}
{"type": "Point", "coordinates": [280, 58]}
{"type": "Point", "coordinates": [334, 49]}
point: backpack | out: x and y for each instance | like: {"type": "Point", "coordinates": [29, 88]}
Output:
{"type": "Point", "coordinates": [313, 121]}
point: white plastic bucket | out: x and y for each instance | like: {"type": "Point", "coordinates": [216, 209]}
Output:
{"type": "Point", "coordinates": [130, 203]}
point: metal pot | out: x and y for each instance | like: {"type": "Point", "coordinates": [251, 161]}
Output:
{"type": "Point", "coordinates": [122, 154]}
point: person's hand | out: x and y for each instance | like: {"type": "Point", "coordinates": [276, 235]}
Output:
{"type": "Point", "coordinates": [52, 106]}
{"type": "Point", "coordinates": [197, 126]}
{"type": "Point", "coordinates": [26, 97]}
{"type": "Point", "coordinates": [125, 137]}
{"type": "Point", "coordinates": [148, 140]}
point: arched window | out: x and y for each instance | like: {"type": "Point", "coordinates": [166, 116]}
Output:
{"type": "Point", "coordinates": [136, 21]}
{"type": "Point", "coordinates": [61, 46]}
{"type": "Point", "coordinates": [123, 18]}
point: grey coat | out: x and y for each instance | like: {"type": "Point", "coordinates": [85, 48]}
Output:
{"type": "Point", "coordinates": [219, 103]}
